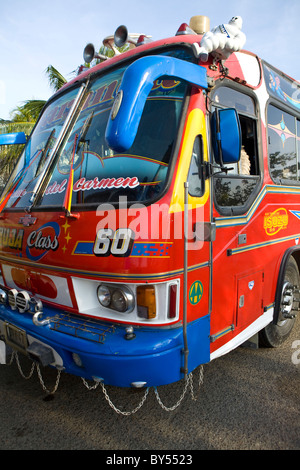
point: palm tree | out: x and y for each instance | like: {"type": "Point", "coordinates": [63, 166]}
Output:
{"type": "Point", "coordinates": [23, 119]}
{"type": "Point", "coordinates": [55, 78]}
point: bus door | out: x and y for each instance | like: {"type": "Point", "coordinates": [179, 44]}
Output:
{"type": "Point", "coordinates": [191, 201]}
{"type": "Point", "coordinates": [238, 270]}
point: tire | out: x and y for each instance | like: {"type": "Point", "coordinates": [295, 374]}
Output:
{"type": "Point", "coordinates": [273, 335]}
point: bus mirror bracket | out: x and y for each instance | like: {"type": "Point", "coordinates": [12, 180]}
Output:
{"type": "Point", "coordinates": [137, 82]}
{"type": "Point", "coordinates": [205, 231]}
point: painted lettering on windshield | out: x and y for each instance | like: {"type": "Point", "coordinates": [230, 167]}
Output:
{"type": "Point", "coordinates": [84, 184]}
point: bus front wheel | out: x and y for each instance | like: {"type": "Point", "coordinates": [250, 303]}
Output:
{"type": "Point", "coordinates": [273, 335]}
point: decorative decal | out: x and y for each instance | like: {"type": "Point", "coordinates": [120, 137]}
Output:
{"type": "Point", "coordinates": [165, 85]}
{"type": "Point", "coordinates": [27, 220]}
{"type": "Point", "coordinates": [118, 243]}
{"type": "Point", "coordinates": [195, 292]}
{"type": "Point", "coordinates": [282, 130]}
{"type": "Point", "coordinates": [55, 187]}
{"type": "Point", "coordinates": [18, 193]}
{"type": "Point", "coordinates": [83, 248]}
{"type": "Point", "coordinates": [275, 221]}
{"type": "Point", "coordinates": [139, 249]}
{"type": "Point", "coordinates": [85, 185]}
{"type": "Point", "coordinates": [296, 214]}
{"type": "Point", "coordinates": [11, 237]}
{"type": "Point", "coordinates": [282, 87]}
{"type": "Point", "coordinates": [251, 285]}
{"type": "Point", "coordinates": [151, 250]}
{"type": "Point", "coordinates": [43, 239]}
{"type": "Point", "coordinates": [67, 236]}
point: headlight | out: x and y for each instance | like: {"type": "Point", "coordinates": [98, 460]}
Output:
{"type": "Point", "coordinates": [118, 298]}
{"type": "Point", "coordinates": [104, 296]}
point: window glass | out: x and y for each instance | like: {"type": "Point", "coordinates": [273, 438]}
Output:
{"type": "Point", "coordinates": [233, 99]}
{"type": "Point", "coordinates": [233, 191]}
{"type": "Point", "coordinates": [38, 149]}
{"type": "Point", "coordinates": [196, 185]}
{"type": "Point", "coordinates": [235, 186]}
{"type": "Point", "coordinates": [282, 145]}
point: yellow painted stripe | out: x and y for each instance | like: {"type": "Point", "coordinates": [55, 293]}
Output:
{"type": "Point", "coordinates": [195, 126]}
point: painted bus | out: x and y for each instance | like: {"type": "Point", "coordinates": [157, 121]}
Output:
{"type": "Point", "coordinates": [151, 223]}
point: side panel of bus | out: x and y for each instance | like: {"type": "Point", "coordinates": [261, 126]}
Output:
{"type": "Point", "coordinates": [256, 212]}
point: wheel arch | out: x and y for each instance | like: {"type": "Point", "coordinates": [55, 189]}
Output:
{"type": "Point", "coordinates": [293, 252]}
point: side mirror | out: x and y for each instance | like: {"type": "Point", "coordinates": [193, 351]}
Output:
{"type": "Point", "coordinates": [226, 136]}
{"type": "Point", "coordinates": [13, 139]}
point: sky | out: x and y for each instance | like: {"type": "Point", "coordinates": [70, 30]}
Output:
{"type": "Point", "coordinates": [37, 33]}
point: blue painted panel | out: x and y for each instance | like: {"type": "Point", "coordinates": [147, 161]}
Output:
{"type": "Point", "coordinates": [153, 356]}
{"type": "Point", "coordinates": [13, 138]}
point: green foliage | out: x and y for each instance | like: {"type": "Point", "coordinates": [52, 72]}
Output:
{"type": "Point", "coordinates": [56, 79]}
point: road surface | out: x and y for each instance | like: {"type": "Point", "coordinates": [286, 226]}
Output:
{"type": "Point", "coordinates": [249, 399]}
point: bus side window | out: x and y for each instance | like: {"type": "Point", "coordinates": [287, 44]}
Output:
{"type": "Point", "coordinates": [236, 188]}
{"type": "Point", "coordinates": [195, 175]}
{"type": "Point", "coordinates": [283, 146]}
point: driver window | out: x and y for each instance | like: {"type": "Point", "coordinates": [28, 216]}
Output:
{"type": "Point", "coordinates": [234, 188]}
{"type": "Point", "coordinates": [195, 176]}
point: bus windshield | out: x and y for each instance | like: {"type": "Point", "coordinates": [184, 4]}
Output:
{"type": "Point", "coordinates": [36, 153]}
{"type": "Point", "coordinates": [100, 174]}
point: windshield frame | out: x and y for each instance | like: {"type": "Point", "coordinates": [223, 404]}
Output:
{"type": "Point", "coordinates": [13, 176]}
{"type": "Point", "coordinates": [94, 75]}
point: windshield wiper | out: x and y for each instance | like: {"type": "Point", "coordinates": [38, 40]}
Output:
{"type": "Point", "coordinates": [43, 157]}
{"type": "Point", "coordinates": [69, 190]}
{"type": "Point", "coordinates": [79, 139]}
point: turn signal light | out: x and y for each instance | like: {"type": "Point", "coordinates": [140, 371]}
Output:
{"type": "Point", "coordinates": [146, 302]}
{"type": "Point", "coordinates": [172, 301]}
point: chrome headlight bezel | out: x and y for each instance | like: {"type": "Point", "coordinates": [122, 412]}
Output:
{"type": "Point", "coordinates": [112, 292]}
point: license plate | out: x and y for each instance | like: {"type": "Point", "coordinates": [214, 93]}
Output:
{"type": "Point", "coordinates": [16, 337]}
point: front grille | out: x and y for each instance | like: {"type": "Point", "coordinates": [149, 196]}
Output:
{"type": "Point", "coordinates": [84, 329]}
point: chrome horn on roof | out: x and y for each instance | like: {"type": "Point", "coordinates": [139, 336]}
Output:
{"type": "Point", "coordinates": [118, 40]}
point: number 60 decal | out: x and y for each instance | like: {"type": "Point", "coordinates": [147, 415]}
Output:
{"type": "Point", "coordinates": [116, 243]}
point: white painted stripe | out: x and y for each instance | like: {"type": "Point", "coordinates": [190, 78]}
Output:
{"type": "Point", "coordinates": [246, 334]}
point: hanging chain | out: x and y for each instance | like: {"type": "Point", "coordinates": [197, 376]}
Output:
{"type": "Point", "coordinates": [188, 384]}
{"type": "Point", "coordinates": [90, 387]}
{"type": "Point", "coordinates": [15, 355]}
{"type": "Point", "coordinates": [200, 382]}
{"type": "Point", "coordinates": [12, 358]}
{"type": "Point", "coordinates": [124, 413]}
{"type": "Point", "coordinates": [42, 381]}
{"type": "Point", "coordinates": [20, 369]}
{"type": "Point", "coordinates": [172, 408]}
